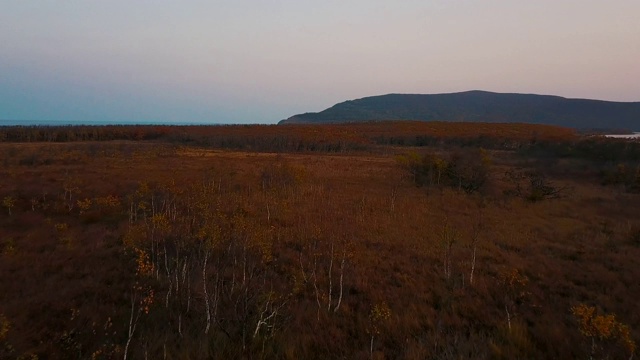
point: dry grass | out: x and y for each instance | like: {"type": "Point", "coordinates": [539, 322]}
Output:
{"type": "Point", "coordinates": [67, 290]}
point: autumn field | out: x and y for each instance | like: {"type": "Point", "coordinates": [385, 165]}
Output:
{"type": "Point", "coordinates": [365, 241]}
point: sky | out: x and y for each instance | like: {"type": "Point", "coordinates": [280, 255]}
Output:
{"type": "Point", "coordinates": [263, 61]}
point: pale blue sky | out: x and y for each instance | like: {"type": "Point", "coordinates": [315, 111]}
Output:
{"type": "Point", "coordinates": [262, 61]}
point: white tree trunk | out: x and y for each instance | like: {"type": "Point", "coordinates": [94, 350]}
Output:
{"type": "Point", "coordinates": [341, 282]}
{"type": "Point", "coordinates": [206, 295]}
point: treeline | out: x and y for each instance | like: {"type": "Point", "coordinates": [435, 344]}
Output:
{"type": "Point", "coordinates": [326, 138]}
{"type": "Point", "coordinates": [612, 161]}
{"type": "Point", "coordinates": [598, 149]}
{"type": "Point", "coordinates": [82, 133]}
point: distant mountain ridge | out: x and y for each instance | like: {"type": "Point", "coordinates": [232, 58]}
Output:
{"type": "Point", "coordinates": [482, 106]}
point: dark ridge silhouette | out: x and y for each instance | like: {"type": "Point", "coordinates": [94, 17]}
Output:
{"type": "Point", "coordinates": [482, 106]}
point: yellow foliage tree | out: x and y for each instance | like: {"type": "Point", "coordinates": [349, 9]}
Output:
{"type": "Point", "coordinates": [600, 328]}
{"type": "Point", "coordinates": [378, 316]}
{"type": "Point", "coordinates": [9, 202]}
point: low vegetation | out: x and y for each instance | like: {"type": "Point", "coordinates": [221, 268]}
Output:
{"type": "Point", "coordinates": [382, 240]}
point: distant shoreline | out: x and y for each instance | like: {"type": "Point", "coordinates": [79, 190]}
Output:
{"type": "Point", "coordinates": [635, 135]}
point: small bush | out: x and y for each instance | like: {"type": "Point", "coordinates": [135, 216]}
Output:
{"type": "Point", "coordinates": [532, 186]}
{"type": "Point", "coordinates": [467, 171]}
{"type": "Point", "coordinates": [281, 175]}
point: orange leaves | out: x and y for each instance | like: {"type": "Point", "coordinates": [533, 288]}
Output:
{"type": "Point", "coordinates": [61, 227]}
{"type": "Point", "coordinates": [160, 223]}
{"type": "Point", "coordinates": [84, 205]}
{"type": "Point", "coordinates": [147, 301]}
{"type": "Point", "coordinates": [210, 233]}
{"type": "Point", "coordinates": [513, 279]}
{"type": "Point", "coordinates": [514, 284]}
{"type": "Point", "coordinates": [593, 325]}
{"type": "Point", "coordinates": [135, 235]}
{"type": "Point", "coordinates": [142, 206]}
{"type": "Point", "coordinates": [64, 236]}
{"type": "Point", "coordinates": [9, 202]}
{"type": "Point", "coordinates": [143, 189]}
{"type": "Point", "coordinates": [147, 297]}
{"type": "Point", "coordinates": [602, 327]}
{"type": "Point", "coordinates": [584, 314]}
{"type": "Point", "coordinates": [625, 337]}
{"type": "Point", "coordinates": [108, 201]}
{"type": "Point", "coordinates": [379, 314]}
{"type": "Point", "coordinates": [4, 326]}
{"type": "Point", "coordinates": [144, 267]}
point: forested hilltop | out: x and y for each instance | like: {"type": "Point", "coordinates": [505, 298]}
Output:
{"type": "Point", "coordinates": [482, 106]}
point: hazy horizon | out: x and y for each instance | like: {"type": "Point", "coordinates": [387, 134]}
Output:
{"type": "Point", "coordinates": [217, 62]}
